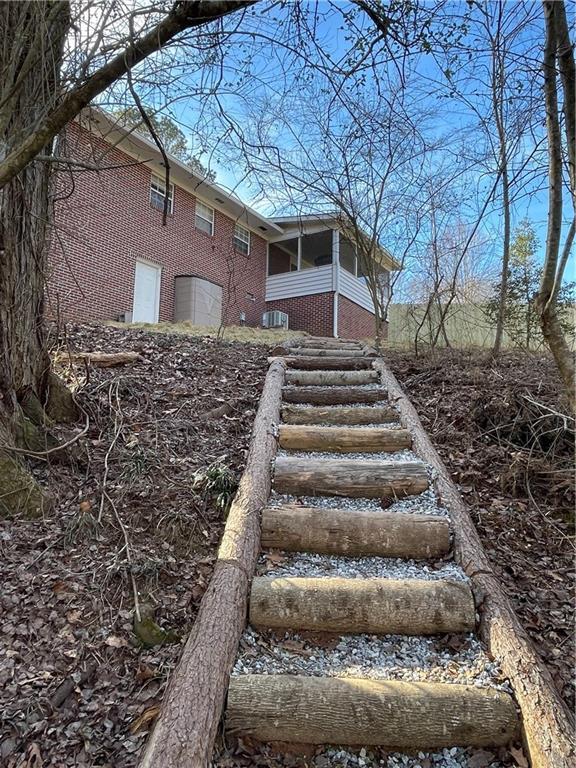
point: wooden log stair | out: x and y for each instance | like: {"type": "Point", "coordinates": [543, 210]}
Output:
{"type": "Point", "coordinates": [327, 407]}
{"type": "Point", "coordinates": [337, 399]}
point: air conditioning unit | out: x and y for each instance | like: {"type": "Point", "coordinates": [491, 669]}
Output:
{"type": "Point", "coordinates": [275, 319]}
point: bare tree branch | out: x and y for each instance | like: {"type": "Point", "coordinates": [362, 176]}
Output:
{"type": "Point", "coordinates": [184, 15]}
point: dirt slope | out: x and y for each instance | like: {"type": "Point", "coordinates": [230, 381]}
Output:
{"type": "Point", "coordinates": [498, 425]}
{"type": "Point", "coordinates": [67, 580]}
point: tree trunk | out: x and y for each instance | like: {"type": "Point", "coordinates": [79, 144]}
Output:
{"type": "Point", "coordinates": [498, 92]}
{"type": "Point", "coordinates": [355, 533]}
{"type": "Point", "coordinates": [333, 395]}
{"type": "Point", "coordinates": [294, 437]}
{"type": "Point", "coordinates": [326, 352]}
{"type": "Point", "coordinates": [326, 363]}
{"type": "Point", "coordinates": [546, 301]}
{"type": "Point", "coordinates": [331, 378]}
{"type": "Point", "coordinates": [33, 36]}
{"type": "Point", "coordinates": [503, 298]}
{"type": "Point", "coordinates": [369, 414]}
{"type": "Point", "coordinates": [344, 477]}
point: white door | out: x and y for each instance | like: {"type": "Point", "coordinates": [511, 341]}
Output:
{"type": "Point", "coordinates": [146, 293]}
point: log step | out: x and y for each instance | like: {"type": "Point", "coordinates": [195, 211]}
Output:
{"type": "Point", "coordinates": [354, 533]}
{"type": "Point", "coordinates": [323, 352]}
{"type": "Point", "coordinates": [358, 606]}
{"type": "Point", "coordinates": [332, 378]}
{"type": "Point", "coordinates": [351, 711]}
{"type": "Point", "coordinates": [373, 414]}
{"type": "Point", "coordinates": [327, 363]}
{"type": "Point", "coordinates": [319, 343]}
{"type": "Point", "coordinates": [339, 477]}
{"type": "Point", "coordinates": [333, 395]}
{"type": "Point", "coordinates": [293, 437]}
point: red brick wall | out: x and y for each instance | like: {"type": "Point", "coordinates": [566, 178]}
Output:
{"type": "Point", "coordinates": [308, 313]}
{"type": "Point", "coordinates": [354, 322]}
{"type": "Point", "coordinates": [104, 222]}
{"type": "Point", "coordinates": [315, 315]}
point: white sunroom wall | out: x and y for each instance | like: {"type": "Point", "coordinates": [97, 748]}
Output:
{"type": "Point", "coordinates": [308, 279]}
{"type": "Point", "coordinates": [351, 285]}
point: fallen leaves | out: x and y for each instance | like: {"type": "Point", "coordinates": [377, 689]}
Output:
{"type": "Point", "coordinates": [33, 758]}
{"type": "Point", "coordinates": [67, 597]}
{"type": "Point", "coordinates": [270, 559]}
{"type": "Point", "coordinates": [144, 672]}
{"type": "Point", "coordinates": [470, 407]}
{"type": "Point", "coordinates": [116, 642]}
{"type": "Point", "coordinates": [145, 719]}
{"type": "Point", "coordinates": [519, 756]}
{"type": "Point", "coordinates": [481, 759]}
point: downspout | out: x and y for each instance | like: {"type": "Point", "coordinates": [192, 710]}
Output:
{"type": "Point", "coordinates": [335, 279]}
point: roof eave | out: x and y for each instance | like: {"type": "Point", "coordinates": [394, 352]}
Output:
{"type": "Point", "coordinates": [198, 181]}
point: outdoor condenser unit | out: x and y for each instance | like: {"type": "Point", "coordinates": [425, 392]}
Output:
{"type": "Point", "coordinates": [275, 319]}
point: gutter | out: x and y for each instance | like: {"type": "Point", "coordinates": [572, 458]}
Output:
{"type": "Point", "coordinates": [335, 279]}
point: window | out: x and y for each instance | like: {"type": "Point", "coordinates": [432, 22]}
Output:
{"type": "Point", "coordinates": [158, 194]}
{"type": "Point", "coordinates": [316, 250]}
{"type": "Point", "coordinates": [347, 255]}
{"type": "Point", "coordinates": [241, 239]}
{"type": "Point", "coordinates": [204, 219]}
{"type": "Point", "coordinates": [283, 257]}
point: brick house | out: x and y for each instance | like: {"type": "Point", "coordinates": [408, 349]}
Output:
{"type": "Point", "coordinates": [216, 258]}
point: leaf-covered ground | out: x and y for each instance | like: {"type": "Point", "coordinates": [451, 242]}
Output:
{"type": "Point", "coordinates": [134, 506]}
{"type": "Point", "coordinates": [501, 429]}
{"type": "Point", "coordinates": [139, 504]}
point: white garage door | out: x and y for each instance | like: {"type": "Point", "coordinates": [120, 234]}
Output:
{"type": "Point", "coordinates": [146, 293]}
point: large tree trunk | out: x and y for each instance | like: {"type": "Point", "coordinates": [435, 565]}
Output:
{"type": "Point", "coordinates": [33, 35]}
{"type": "Point", "coordinates": [546, 301]}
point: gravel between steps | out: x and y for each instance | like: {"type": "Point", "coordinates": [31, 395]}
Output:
{"type": "Point", "coordinates": [379, 425]}
{"type": "Point", "coordinates": [324, 566]}
{"type": "Point", "coordinates": [456, 757]}
{"type": "Point", "coordinates": [425, 503]}
{"type": "Point", "coordinates": [334, 757]}
{"type": "Point", "coordinates": [395, 456]}
{"type": "Point", "coordinates": [385, 657]}
{"type": "Point", "coordinates": [379, 404]}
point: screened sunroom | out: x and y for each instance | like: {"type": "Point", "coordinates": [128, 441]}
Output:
{"type": "Point", "coordinates": [313, 257]}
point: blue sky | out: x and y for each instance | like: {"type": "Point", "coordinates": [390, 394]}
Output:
{"type": "Point", "coordinates": [276, 68]}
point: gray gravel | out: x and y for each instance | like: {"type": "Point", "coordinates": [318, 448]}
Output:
{"type": "Point", "coordinates": [319, 566]}
{"type": "Point", "coordinates": [456, 757]}
{"type": "Point", "coordinates": [385, 657]}
{"type": "Point", "coordinates": [371, 385]}
{"type": "Point", "coordinates": [396, 456]}
{"type": "Point", "coordinates": [365, 758]}
{"type": "Point", "coordinates": [425, 503]}
{"type": "Point", "coordinates": [346, 405]}
{"type": "Point", "coordinates": [378, 424]}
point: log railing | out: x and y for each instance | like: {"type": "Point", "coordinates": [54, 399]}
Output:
{"type": "Point", "coordinates": [193, 703]}
{"type": "Point", "coordinates": [548, 726]}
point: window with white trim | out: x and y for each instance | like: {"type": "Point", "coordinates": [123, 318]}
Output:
{"type": "Point", "coordinates": [204, 218]}
{"type": "Point", "coordinates": [158, 194]}
{"type": "Point", "coordinates": [241, 239]}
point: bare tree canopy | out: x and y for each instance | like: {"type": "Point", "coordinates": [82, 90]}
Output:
{"type": "Point", "coordinates": [418, 125]}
